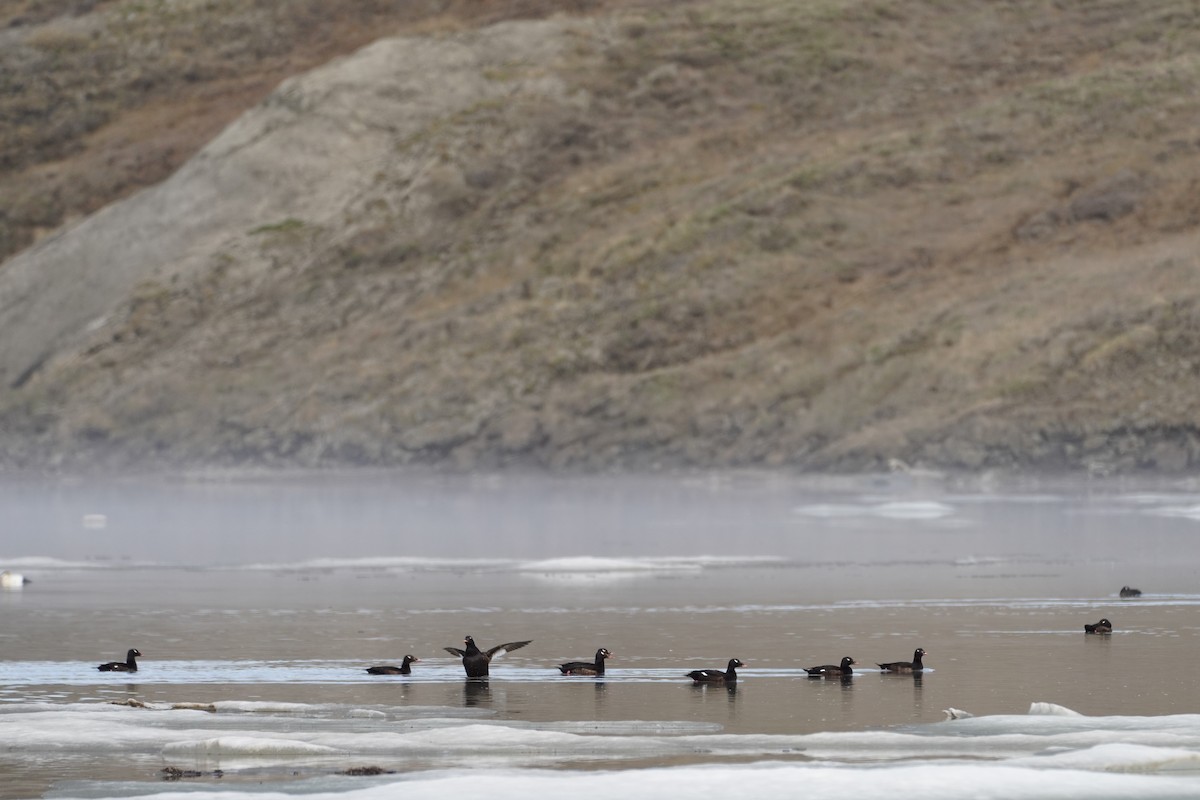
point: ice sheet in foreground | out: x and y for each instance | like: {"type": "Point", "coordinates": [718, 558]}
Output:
{"type": "Point", "coordinates": [1050, 738]}
{"type": "Point", "coordinates": [764, 781]}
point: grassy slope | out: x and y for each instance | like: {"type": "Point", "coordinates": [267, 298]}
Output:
{"type": "Point", "coordinates": [99, 98]}
{"type": "Point", "coordinates": [818, 234]}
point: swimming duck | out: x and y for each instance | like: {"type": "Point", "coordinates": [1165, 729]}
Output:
{"type": "Point", "coordinates": [716, 675]}
{"type": "Point", "coordinates": [1129, 591]}
{"type": "Point", "coordinates": [475, 661]}
{"type": "Point", "coordinates": [1103, 626]}
{"type": "Point", "coordinates": [403, 669]}
{"type": "Point", "coordinates": [831, 671]}
{"type": "Point", "coordinates": [585, 667]}
{"type": "Point", "coordinates": [906, 666]}
{"type": "Point", "coordinates": [128, 665]}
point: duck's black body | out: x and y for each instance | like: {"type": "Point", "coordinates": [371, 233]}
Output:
{"type": "Point", "coordinates": [405, 667]}
{"type": "Point", "coordinates": [1129, 591]}
{"type": "Point", "coordinates": [716, 675]}
{"type": "Point", "coordinates": [475, 661]}
{"type": "Point", "coordinates": [586, 667]}
{"type": "Point", "coordinates": [128, 665]}
{"type": "Point", "coordinates": [1103, 626]}
{"type": "Point", "coordinates": [832, 671]}
{"type": "Point", "coordinates": [906, 666]}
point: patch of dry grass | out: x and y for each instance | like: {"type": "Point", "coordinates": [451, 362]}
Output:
{"type": "Point", "coordinates": [99, 99]}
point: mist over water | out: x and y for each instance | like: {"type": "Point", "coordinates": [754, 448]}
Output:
{"type": "Point", "coordinates": [264, 598]}
{"type": "Point", "coordinates": [234, 519]}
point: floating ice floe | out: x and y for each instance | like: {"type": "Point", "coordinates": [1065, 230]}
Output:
{"type": "Point", "coordinates": [1052, 709]}
{"type": "Point", "coordinates": [382, 564]}
{"type": "Point", "coordinates": [762, 781]}
{"type": "Point", "coordinates": [1183, 512]}
{"type": "Point", "coordinates": [898, 510]}
{"type": "Point", "coordinates": [1050, 752]}
{"type": "Point", "coordinates": [234, 747]}
{"type": "Point", "coordinates": [591, 564]}
{"type": "Point", "coordinates": [49, 564]}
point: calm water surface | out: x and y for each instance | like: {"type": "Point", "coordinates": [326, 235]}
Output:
{"type": "Point", "coordinates": [268, 598]}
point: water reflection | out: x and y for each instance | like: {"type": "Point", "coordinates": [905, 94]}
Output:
{"type": "Point", "coordinates": [11, 597]}
{"type": "Point", "coordinates": [918, 700]}
{"type": "Point", "coordinates": [702, 689]}
{"type": "Point", "coordinates": [476, 691]}
{"type": "Point", "coordinates": [916, 677]}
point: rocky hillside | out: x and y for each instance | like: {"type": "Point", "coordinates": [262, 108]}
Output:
{"type": "Point", "coordinates": [819, 236]}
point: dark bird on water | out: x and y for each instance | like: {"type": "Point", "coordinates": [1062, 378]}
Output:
{"type": "Point", "coordinates": [1103, 626]}
{"type": "Point", "coordinates": [475, 661]}
{"type": "Point", "coordinates": [128, 665]}
{"type": "Point", "coordinates": [405, 668]}
{"type": "Point", "coordinates": [586, 667]}
{"type": "Point", "coordinates": [1129, 591]}
{"type": "Point", "coordinates": [906, 666]}
{"type": "Point", "coordinates": [716, 675]}
{"type": "Point", "coordinates": [831, 671]}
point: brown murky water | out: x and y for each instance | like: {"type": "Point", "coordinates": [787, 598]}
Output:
{"type": "Point", "coordinates": [670, 576]}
